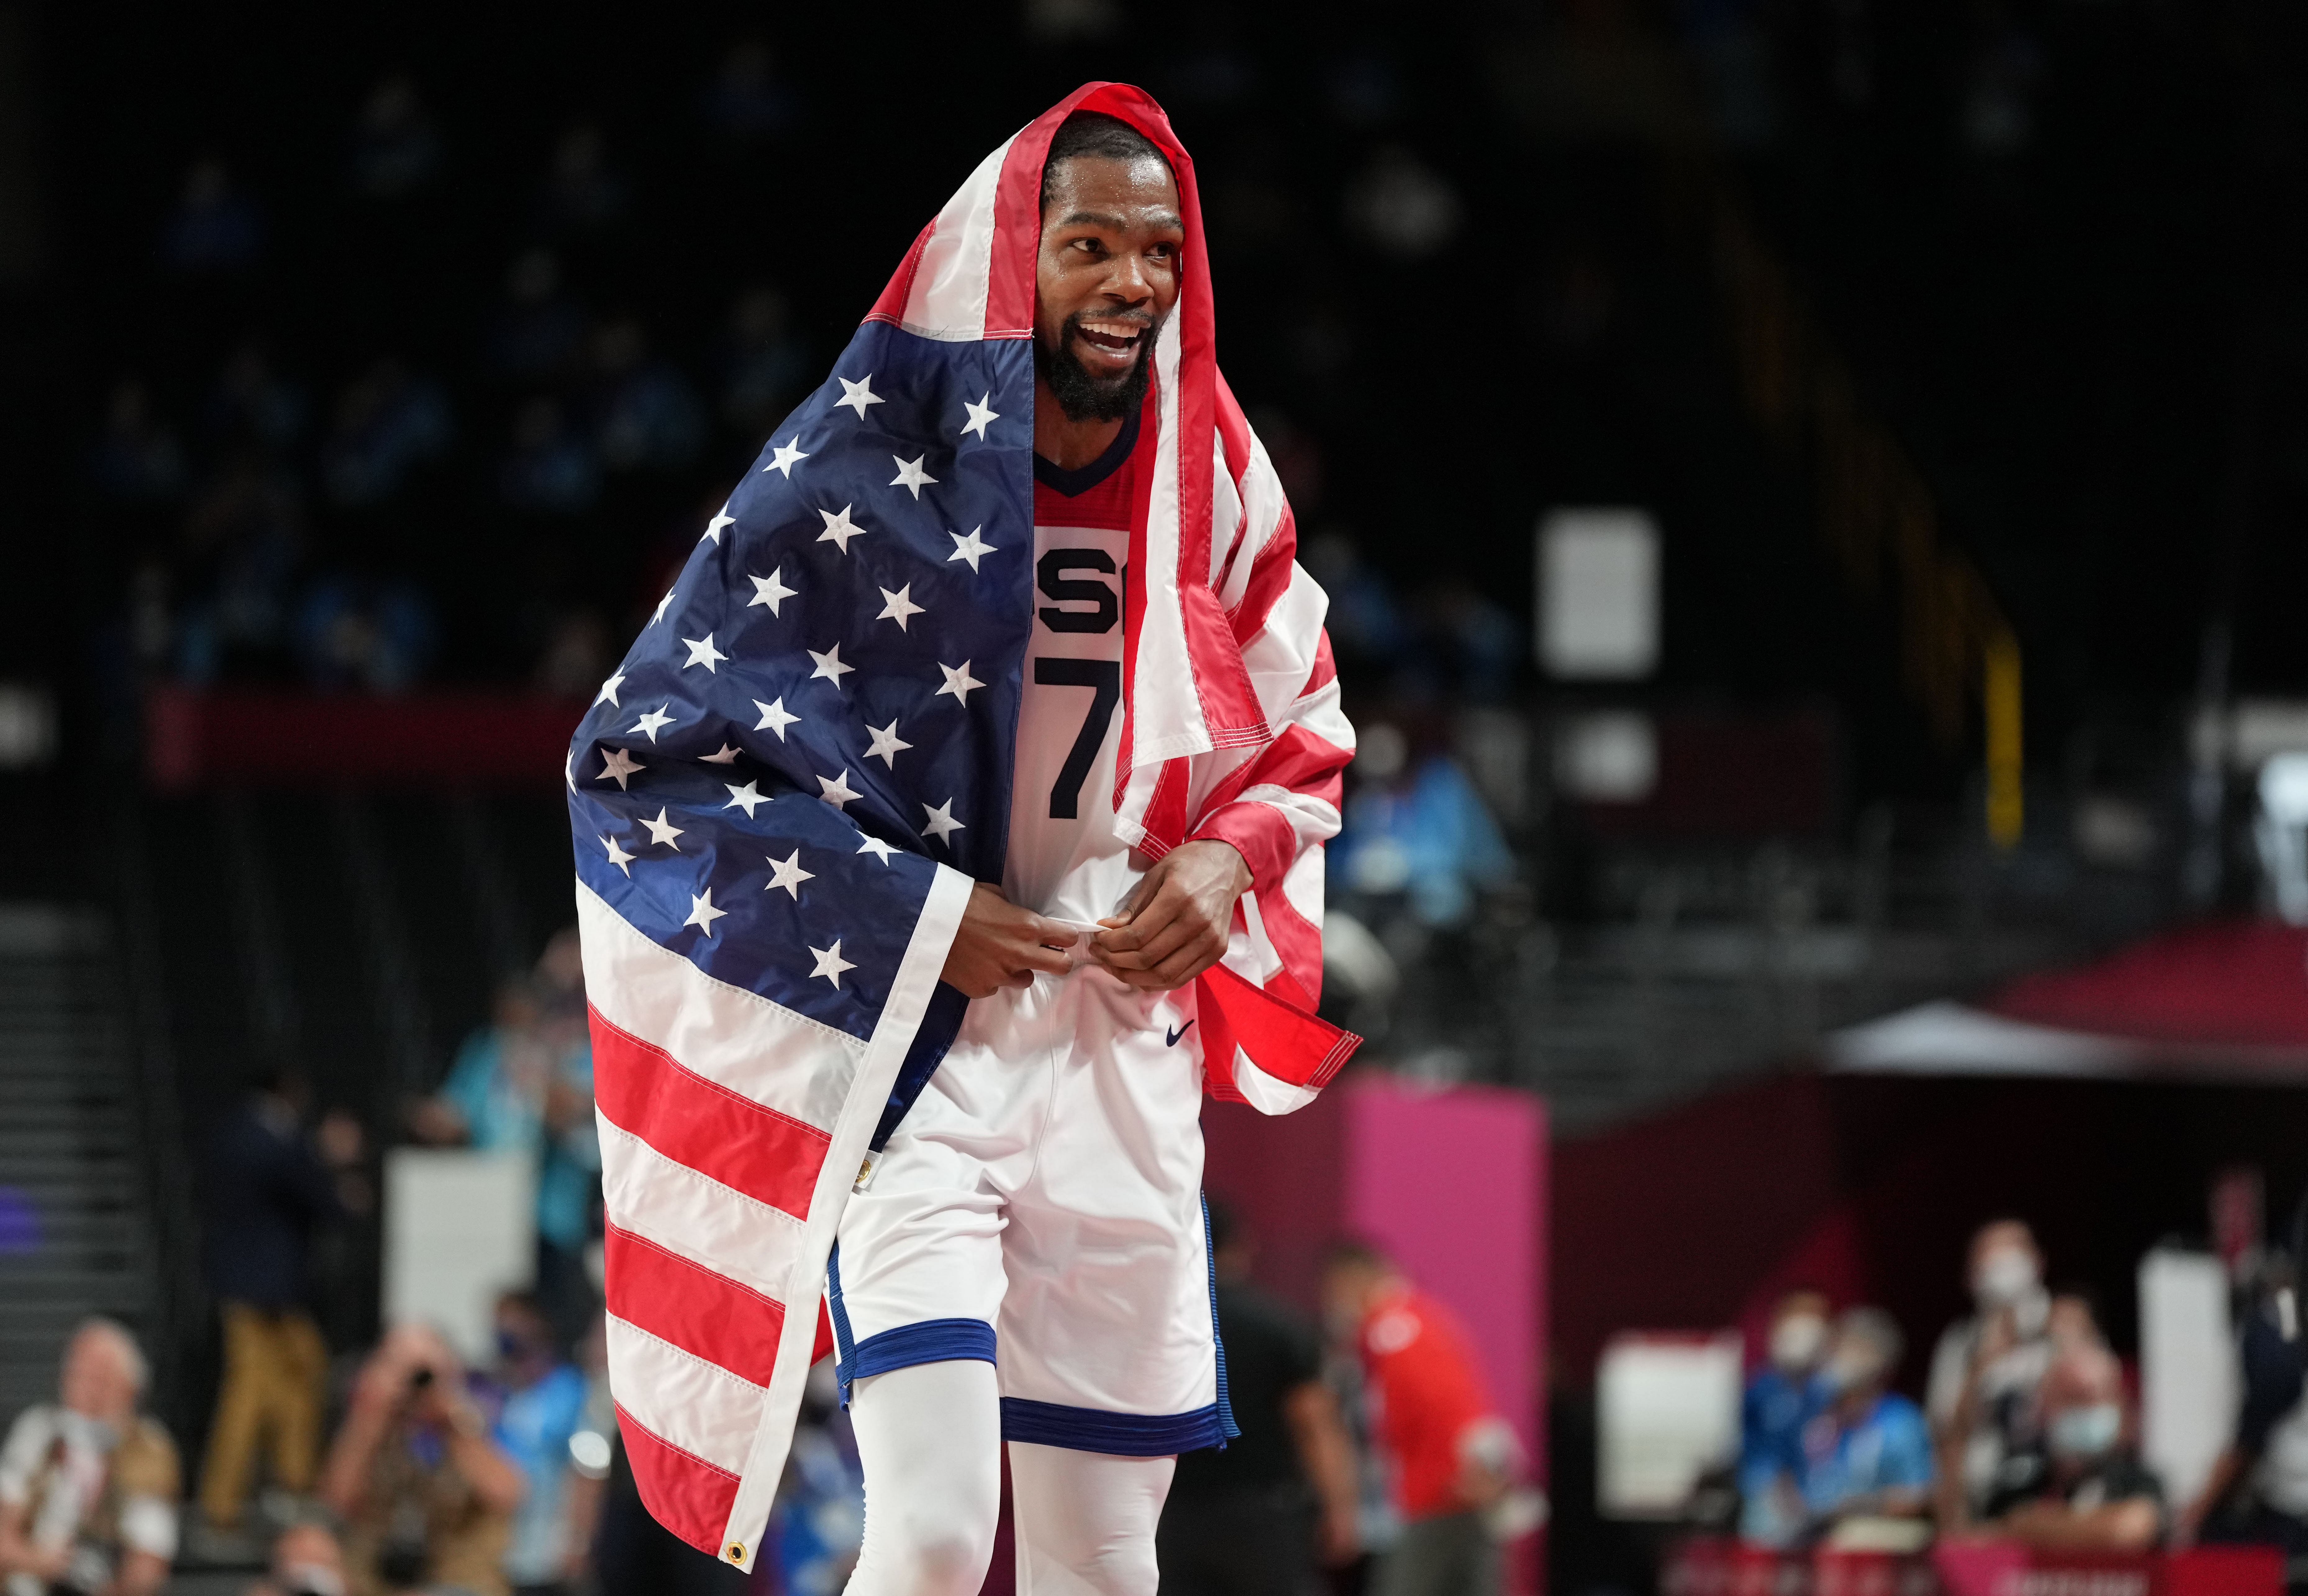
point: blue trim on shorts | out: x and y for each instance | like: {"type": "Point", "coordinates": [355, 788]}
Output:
{"type": "Point", "coordinates": [1120, 1434]}
{"type": "Point", "coordinates": [1229, 1429]}
{"type": "Point", "coordinates": [926, 1341]}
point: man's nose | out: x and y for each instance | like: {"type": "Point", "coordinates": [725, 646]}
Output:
{"type": "Point", "coordinates": [1128, 281]}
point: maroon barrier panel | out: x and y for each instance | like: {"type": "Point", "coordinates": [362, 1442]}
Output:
{"type": "Point", "coordinates": [248, 738]}
{"type": "Point", "coordinates": [1711, 1566]}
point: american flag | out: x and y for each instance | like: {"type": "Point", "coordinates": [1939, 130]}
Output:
{"type": "Point", "coordinates": [782, 797]}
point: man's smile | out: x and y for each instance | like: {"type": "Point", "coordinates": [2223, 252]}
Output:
{"type": "Point", "coordinates": [1107, 346]}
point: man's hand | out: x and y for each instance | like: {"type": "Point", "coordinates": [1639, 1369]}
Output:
{"type": "Point", "coordinates": [999, 944]}
{"type": "Point", "coordinates": [1175, 924]}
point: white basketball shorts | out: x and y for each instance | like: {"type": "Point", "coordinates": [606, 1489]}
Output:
{"type": "Point", "coordinates": [1040, 1207]}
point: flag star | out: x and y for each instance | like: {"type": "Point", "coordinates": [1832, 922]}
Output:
{"type": "Point", "coordinates": [859, 395]}
{"type": "Point", "coordinates": [657, 614]}
{"type": "Point", "coordinates": [840, 529]}
{"type": "Point", "coordinates": [663, 830]}
{"type": "Point", "coordinates": [981, 414]}
{"type": "Point", "coordinates": [714, 527]}
{"type": "Point", "coordinates": [880, 850]}
{"type": "Point", "coordinates": [788, 874]}
{"type": "Point", "coordinates": [784, 457]}
{"type": "Point", "coordinates": [957, 682]}
{"type": "Point", "coordinates": [940, 823]}
{"type": "Point", "coordinates": [774, 717]}
{"type": "Point", "coordinates": [910, 475]}
{"type": "Point", "coordinates": [886, 744]}
{"type": "Point", "coordinates": [830, 666]}
{"type": "Point", "coordinates": [726, 755]}
{"type": "Point", "coordinates": [701, 651]}
{"type": "Point", "coordinates": [743, 797]}
{"type": "Point", "coordinates": [830, 963]}
{"type": "Point", "coordinates": [771, 589]}
{"type": "Point", "coordinates": [972, 548]}
{"type": "Point", "coordinates": [836, 791]}
{"type": "Point", "coordinates": [898, 606]}
{"type": "Point", "coordinates": [609, 693]}
{"type": "Point", "coordinates": [652, 719]}
{"type": "Point", "coordinates": [619, 763]}
{"type": "Point", "coordinates": [619, 857]}
{"type": "Point", "coordinates": [702, 914]}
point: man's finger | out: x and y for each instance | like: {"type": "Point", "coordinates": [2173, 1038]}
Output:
{"type": "Point", "coordinates": [1034, 956]}
{"type": "Point", "coordinates": [1150, 920]}
{"type": "Point", "coordinates": [1161, 944]}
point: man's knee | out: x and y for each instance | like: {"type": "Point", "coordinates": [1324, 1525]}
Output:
{"type": "Point", "coordinates": [940, 1550]}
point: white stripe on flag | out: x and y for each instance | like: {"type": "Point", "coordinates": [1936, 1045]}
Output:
{"type": "Point", "coordinates": [698, 1406]}
{"type": "Point", "coordinates": [1263, 1092]}
{"type": "Point", "coordinates": [734, 1039]}
{"type": "Point", "coordinates": [1166, 714]}
{"type": "Point", "coordinates": [696, 1217]}
{"type": "Point", "coordinates": [947, 300]}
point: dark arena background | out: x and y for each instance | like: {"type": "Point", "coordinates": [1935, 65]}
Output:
{"type": "Point", "coordinates": [1812, 495]}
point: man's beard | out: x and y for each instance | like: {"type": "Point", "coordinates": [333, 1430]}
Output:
{"type": "Point", "coordinates": [1083, 397]}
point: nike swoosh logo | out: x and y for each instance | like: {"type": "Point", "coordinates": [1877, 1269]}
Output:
{"type": "Point", "coordinates": [1170, 1039]}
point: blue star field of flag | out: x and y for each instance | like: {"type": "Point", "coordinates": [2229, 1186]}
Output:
{"type": "Point", "coordinates": [827, 700]}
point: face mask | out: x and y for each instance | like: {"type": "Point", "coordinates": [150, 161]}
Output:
{"type": "Point", "coordinates": [2086, 1432]}
{"type": "Point", "coordinates": [1848, 1373]}
{"type": "Point", "coordinates": [2005, 1276]}
{"type": "Point", "coordinates": [1796, 1341]}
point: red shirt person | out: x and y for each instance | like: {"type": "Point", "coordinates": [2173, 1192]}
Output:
{"type": "Point", "coordinates": [1450, 1454]}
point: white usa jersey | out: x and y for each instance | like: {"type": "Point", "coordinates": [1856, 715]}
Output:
{"type": "Point", "coordinates": [1064, 859]}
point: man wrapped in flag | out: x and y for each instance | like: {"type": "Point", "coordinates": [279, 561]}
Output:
{"type": "Point", "coordinates": [954, 824]}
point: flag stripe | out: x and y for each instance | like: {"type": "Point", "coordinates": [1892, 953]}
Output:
{"type": "Point", "coordinates": [707, 1315]}
{"type": "Point", "coordinates": [948, 297]}
{"type": "Point", "coordinates": [644, 1092]}
{"type": "Point", "coordinates": [684, 1212]}
{"type": "Point", "coordinates": [687, 1495]}
{"type": "Point", "coordinates": [736, 1039]}
{"type": "Point", "coordinates": [700, 1407]}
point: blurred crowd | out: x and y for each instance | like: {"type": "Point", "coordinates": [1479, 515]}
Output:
{"type": "Point", "coordinates": [2029, 1434]}
{"type": "Point", "coordinates": [1370, 1457]}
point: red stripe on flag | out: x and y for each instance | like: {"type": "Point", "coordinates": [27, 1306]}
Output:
{"type": "Point", "coordinates": [1281, 1039]}
{"type": "Point", "coordinates": [687, 1495]}
{"type": "Point", "coordinates": [646, 1092]}
{"type": "Point", "coordinates": [707, 1314]}
{"type": "Point", "coordinates": [891, 305]}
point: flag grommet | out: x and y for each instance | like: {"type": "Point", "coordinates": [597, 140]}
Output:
{"type": "Point", "coordinates": [736, 1551]}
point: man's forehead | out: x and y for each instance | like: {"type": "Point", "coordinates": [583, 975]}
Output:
{"type": "Point", "coordinates": [1099, 190]}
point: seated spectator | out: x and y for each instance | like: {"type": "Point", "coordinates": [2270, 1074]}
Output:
{"type": "Point", "coordinates": [645, 417]}
{"type": "Point", "coordinates": [1418, 828]}
{"type": "Point", "coordinates": [395, 147]}
{"type": "Point", "coordinates": [526, 1082]}
{"type": "Point", "coordinates": [369, 636]}
{"type": "Point", "coordinates": [540, 1405]}
{"type": "Point", "coordinates": [583, 192]}
{"type": "Point", "coordinates": [748, 99]}
{"type": "Point", "coordinates": [88, 1487]}
{"type": "Point", "coordinates": [760, 360]}
{"type": "Point", "coordinates": [306, 1561]}
{"type": "Point", "coordinates": [1867, 1454]}
{"type": "Point", "coordinates": [540, 330]}
{"type": "Point", "coordinates": [550, 468]}
{"type": "Point", "coordinates": [215, 227]}
{"type": "Point", "coordinates": [1782, 1397]}
{"type": "Point", "coordinates": [388, 422]}
{"type": "Point", "coordinates": [2083, 1488]}
{"type": "Point", "coordinates": [1987, 1368]}
{"type": "Point", "coordinates": [138, 459]}
{"type": "Point", "coordinates": [427, 1499]}
{"type": "Point", "coordinates": [2256, 1491]}
{"type": "Point", "coordinates": [1451, 1456]}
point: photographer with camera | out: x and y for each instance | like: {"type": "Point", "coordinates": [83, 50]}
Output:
{"type": "Point", "coordinates": [427, 1496]}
